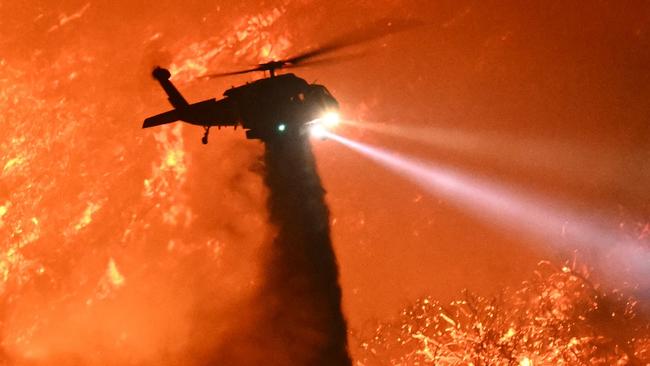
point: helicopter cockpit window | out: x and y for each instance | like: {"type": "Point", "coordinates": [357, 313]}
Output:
{"type": "Point", "coordinates": [320, 95]}
{"type": "Point", "coordinates": [326, 92]}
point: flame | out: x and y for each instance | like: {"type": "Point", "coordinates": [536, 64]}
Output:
{"type": "Point", "coordinates": [526, 362]}
{"type": "Point", "coordinates": [113, 273]}
{"type": "Point", "coordinates": [12, 163]}
{"type": "Point", "coordinates": [173, 158]}
{"type": "Point", "coordinates": [87, 216]}
{"type": "Point", "coordinates": [3, 211]}
{"type": "Point", "coordinates": [251, 37]}
{"type": "Point", "coordinates": [64, 19]}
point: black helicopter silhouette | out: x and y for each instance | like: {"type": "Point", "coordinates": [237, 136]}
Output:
{"type": "Point", "coordinates": [277, 106]}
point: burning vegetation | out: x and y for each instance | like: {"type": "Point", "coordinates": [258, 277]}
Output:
{"type": "Point", "coordinates": [124, 247]}
{"type": "Point", "coordinates": [558, 317]}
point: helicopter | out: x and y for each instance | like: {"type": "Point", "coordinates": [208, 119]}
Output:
{"type": "Point", "coordinates": [280, 106]}
{"type": "Point", "coordinates": [273, 107]}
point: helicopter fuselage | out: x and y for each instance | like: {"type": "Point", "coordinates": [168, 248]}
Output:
{"type": "Point", "coordinates": [275, 107]}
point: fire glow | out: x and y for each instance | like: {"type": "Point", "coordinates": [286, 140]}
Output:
{"type": "Point", "coordinates": [123, 248]}
{"type": "Point", "coordinates": [518, 213]}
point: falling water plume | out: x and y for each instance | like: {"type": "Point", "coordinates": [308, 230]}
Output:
{"type": "Point", "coordinates": [299, 319]}
{"type": "Point", "coordinates": [302, 289]}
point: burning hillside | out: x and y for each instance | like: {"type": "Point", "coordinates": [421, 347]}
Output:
{"type": "Point", "coordinates": [558, 317]}
{"type": "Point", "coordinates": [123, 246]}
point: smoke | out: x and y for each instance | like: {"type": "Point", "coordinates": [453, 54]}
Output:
{"type": "Point", "coordinates": [126, 246]}
{"type": "Point", "coordinates": [300, 320]}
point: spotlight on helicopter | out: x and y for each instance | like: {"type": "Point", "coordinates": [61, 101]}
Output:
{"type": "Point", "coordinates": [330, 119]}
{"type": "Point", "coordinates": [319, 127]}
{"type": "Point", "coordinates": [319, 131]}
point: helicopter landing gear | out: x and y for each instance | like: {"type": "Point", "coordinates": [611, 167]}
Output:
{"type": "Point", "coordinates": [204, 139]}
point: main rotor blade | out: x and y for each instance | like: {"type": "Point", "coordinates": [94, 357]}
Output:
{"type": "Point", "coordinates": [220, 74]}
{"type": "Point", "coordinates": [326, 60]}
{"type": "Point", "coordinates": [369, 33]}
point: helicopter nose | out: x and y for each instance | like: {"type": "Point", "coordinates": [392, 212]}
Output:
{"type": "Point", "coordinates": [161, 74]}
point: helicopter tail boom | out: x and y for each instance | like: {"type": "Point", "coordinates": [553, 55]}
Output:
{"type": "Point", "coordinates": [174, 96]}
